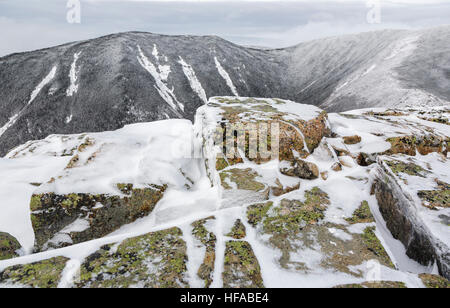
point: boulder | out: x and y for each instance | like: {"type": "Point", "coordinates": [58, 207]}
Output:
{"type": "Point", "coordinates": [9, 246]}
{"type": "Point", "coordinates": [153, 260]}
{"type": "Point", "coordinates": [42, 274]}
{"type": "Point", "coordinates": [63, 220]}
{"type": "Point", "coordinates": [302, 169]}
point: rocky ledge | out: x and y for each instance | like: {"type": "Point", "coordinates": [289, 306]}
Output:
{"type": "Point", "coordinates": [352, 200]}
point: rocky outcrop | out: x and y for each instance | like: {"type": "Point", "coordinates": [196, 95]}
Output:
{"type": "Point", "coordinates": [398, 209]}
{"type": "Point", "coordinates": [208, 240]}
{"type": "Point", "coordinates": [154, 260]}
{"type": "Point", "coordinates": [434, 281]}
{"type": "Point", "coordinates": [241, 267]}
{"type": "Point", "coordinates": [62, 220]}
{"type": "Point", "coordinates": [295, 226]}
{"type": "Point", "coordinates": [42, 274]}
{"type": "Point", "coordinates": [249, 126]}
{"type": "Point", "coordinates": [9, 246]}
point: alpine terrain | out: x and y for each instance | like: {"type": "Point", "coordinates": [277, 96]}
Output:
{"type": "Point", "coordinates": [143, 160]}
{"type": "Point", "coordinates": [106, 83]}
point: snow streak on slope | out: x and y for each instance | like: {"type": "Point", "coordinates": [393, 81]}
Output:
{"type": "Point", "coordinates": [226, 77]}
{"type": "Point", "coordinates": [160, 85]}
{"type": "Point", "coordinates": [73, 88]}
{"type": "Point", "coordinates": [193, 80]}
{"type": "Point", "coordinates": [35, 93]}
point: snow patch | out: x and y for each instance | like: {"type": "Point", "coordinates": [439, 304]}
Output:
{"type": "Point", "coordinates": [34, 94]}
{"type": "Point", "coordinates": [193, 80]}
{"type": "Point", "coordinates": [226, 77]}
{"type": "Point", "coordinates": [73, 75]}
{"type": "Point", "coordinates": [160, 78]}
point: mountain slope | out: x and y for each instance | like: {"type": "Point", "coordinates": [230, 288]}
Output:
{"type": "Point", "coordinates": [106, 83]}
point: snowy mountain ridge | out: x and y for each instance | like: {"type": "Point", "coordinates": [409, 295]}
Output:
{"type": "Point", "coordinates": [108, 82]}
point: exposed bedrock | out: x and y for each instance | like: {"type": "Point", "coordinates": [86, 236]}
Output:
{"type": "Point", "coordinates": [398, 210]}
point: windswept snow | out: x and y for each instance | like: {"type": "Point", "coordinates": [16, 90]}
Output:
{"type": "Point", "coordinates": [73, 75]}
{"type": "Point", "coordinates": [160, 78]}
{"type": "Point", "coordinates": [226, 77]}
{"type": "Point", "coordinates": [34, 94]}
{"type": "Point", "coordinates": [155, 52]}
{"type": "Point", "coordinates": [193, 80]}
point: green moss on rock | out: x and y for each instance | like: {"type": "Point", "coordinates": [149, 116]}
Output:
{"type": "Point", "coordinates": [435, 199]}
{"type": "Point", "coordinates": [362, 214]}
{"type": "Point", "coordinates": [238, 231]}
{"type": "Point", "coordinates": [374, 245]}
{"type": "Point", "coordinates": [434, 281]}
{"type": "Point", "coordinates": [291, 215]}
{"type": "Point", "coordinates": [257, 212]}
{"type": "Point", "coordinates": [398, 167]}
{"type": "Point", "coordinates": [50, 213]}
{"type": "Point", "coordinates": [208, 239]}
{"type": "Point", "coordinates": [154, 260]}
{"type": "Point", "coordinates": [374, 285]}
{"type": "Point", "coordinates": [241, 267]}
{"type": "Point", "coordinates": [243, 178]}
{"type": "Point", "coordinates": [42, 274]}
{"type": "Point", "coordinates": [8, 246]}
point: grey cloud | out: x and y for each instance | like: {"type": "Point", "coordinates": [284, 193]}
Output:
{"type": "Point", "coordinates": [31, 24]}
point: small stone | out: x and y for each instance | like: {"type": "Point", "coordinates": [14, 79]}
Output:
{"type": "Point", "coordinates": [302, 169]}
{"type": "Point", "coordinates": [352, 139]}
{"type": "Point", "coordinates": [280, 190]}
{"type": "Point", "coordinates": [336, 167]}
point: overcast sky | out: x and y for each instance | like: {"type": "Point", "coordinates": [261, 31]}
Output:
{"type": "Point", "coordinates": [32, 24]}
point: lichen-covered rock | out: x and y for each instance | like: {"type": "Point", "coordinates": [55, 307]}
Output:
{"type": "Point", "coordinates": [238, 231]}
{"type": "Point", "coordinates": [434, 281]}
{"type": "Point", "coordinates": [374, 285]}
{"type": "Point", "coordinates": [9, 246]}
{"type": "Point", "coordinates": [154, 260]}
{"type": "Point", "coordinates": [374, 245]}
{"type": "Point", "coordinates": [257, 212]}
{"type": "Point", "coordinates": [300, 168]}
{"type": "Point", "coordinates": [62, 220]}
{"type": "Point", "coordinates": [242, 122]}
{"type": "Point", "coordinates": [294, 226]}
{"type": "Point", "coordinates": [42, 274]}
{"type": "Point", "coordinates": [242, 186]}
{"type": "Point", "coordinates": [208, 239]}
{"type": "Point", "coordinates": [408, 168]}
{"type": "Point", "coordinates": [425, 144]}
{"type": "Point", "coordinates": [289, 218]}
{"type": "Point", "coordinates": [435, 199]}
{"type": "Point", "coordinates": [241, 267]}
{"type": "Point", "coordinates": [362, 214]}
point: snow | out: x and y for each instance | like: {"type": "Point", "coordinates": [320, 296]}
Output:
{"type": "Point", "coordinates": [16, 191]}
{"type": "Point", "coordinates": [73, 75]}
{"type": "Point", "coordinates": [34, 94]}
{"type": "Point", "coordinates": [167, 153]}
{"type": "Point", "coordinates": [226, 77]}
{"type": "Point", "coordinates": [160, 77]}
{"type": "Point", "coordinates": [193, 80]}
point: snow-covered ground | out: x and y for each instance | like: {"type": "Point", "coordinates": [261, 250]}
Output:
{"type": "Point", "coordinates": [166, 153]}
